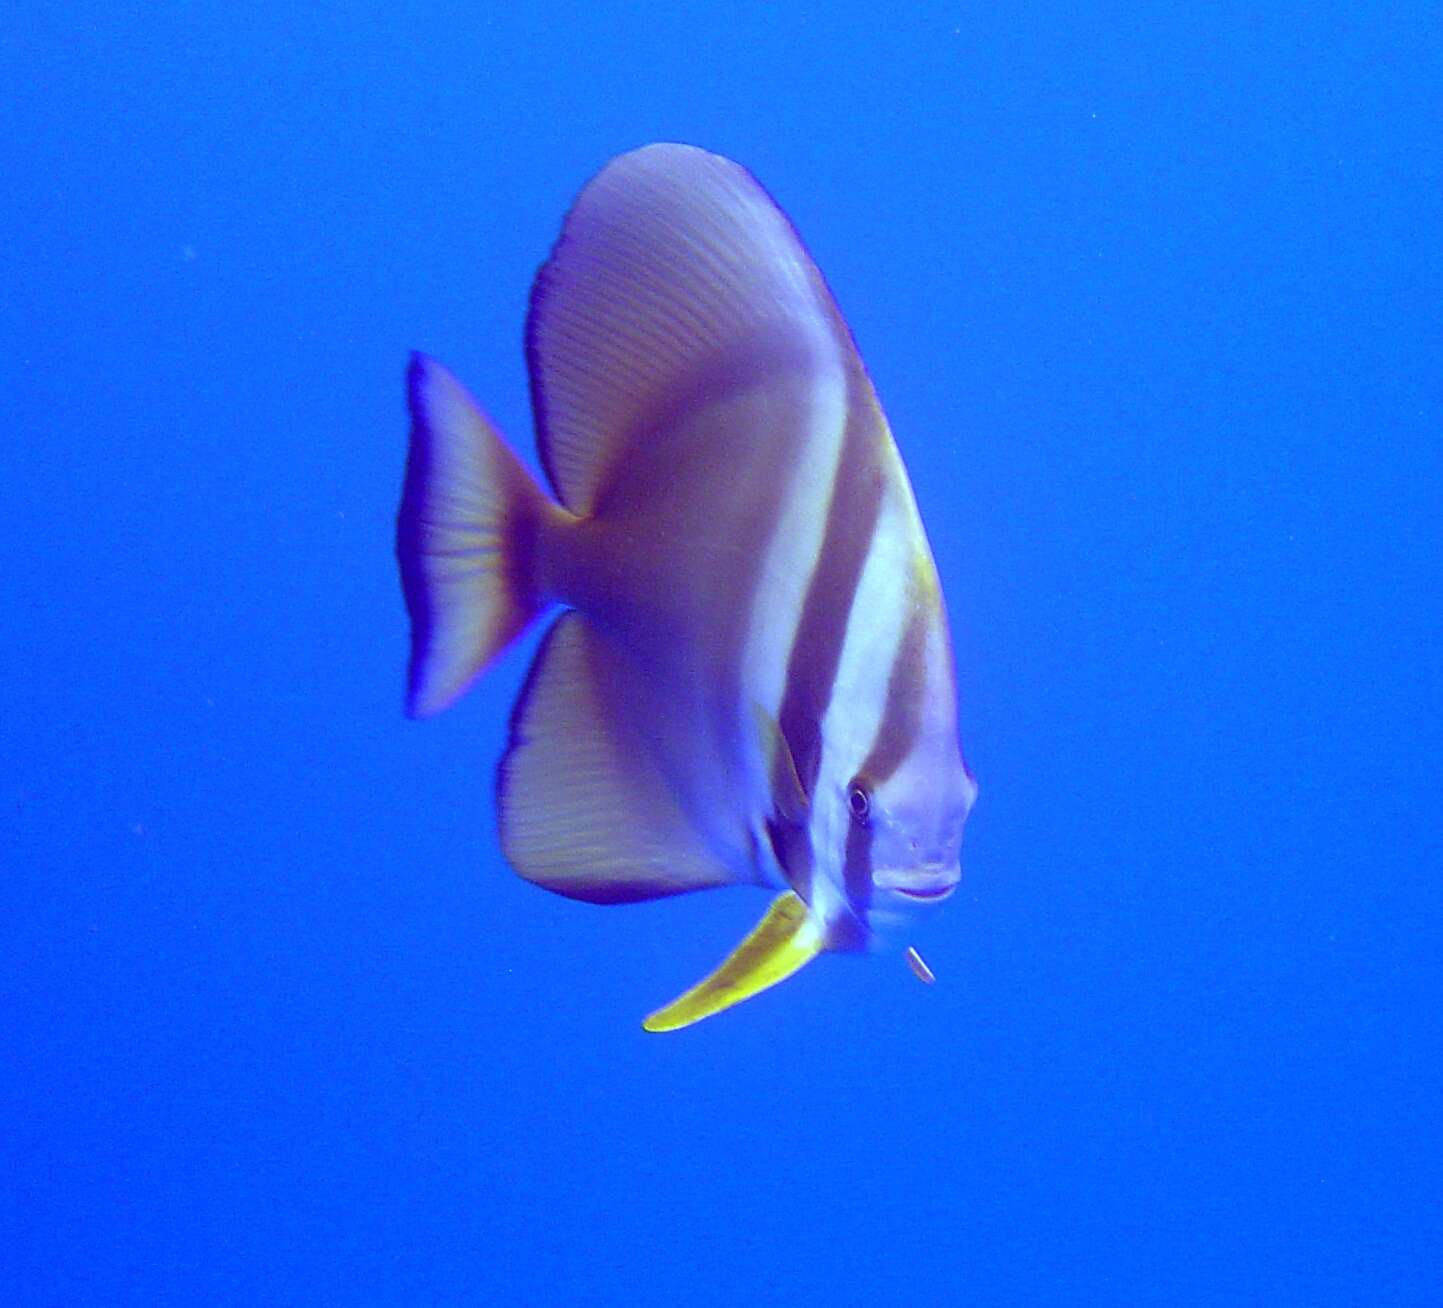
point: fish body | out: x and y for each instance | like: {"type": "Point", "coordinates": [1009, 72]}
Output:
{"type": "Point", "coordinates": [751, 681]}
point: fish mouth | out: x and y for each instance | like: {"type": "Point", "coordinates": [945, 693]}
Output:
{"type": "Point", "coordinates": [918, 886]}
{"type": "Point", "coordinates": [926, 894]}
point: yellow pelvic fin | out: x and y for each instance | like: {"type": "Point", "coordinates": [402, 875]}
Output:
{"type": "Point", "coordinates": [783, 942]}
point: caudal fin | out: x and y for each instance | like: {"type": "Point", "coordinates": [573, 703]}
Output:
{"type": "Point", "coordinates": [466, 540]}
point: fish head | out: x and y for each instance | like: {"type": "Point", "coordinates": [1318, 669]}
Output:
{"type": "Point", "coordinates": [910, 826]}
{"type": "Point", "coordinates": [889, 814]}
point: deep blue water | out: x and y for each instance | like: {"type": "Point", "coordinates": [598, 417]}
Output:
{"type": "Point", "coordinates": [1153, 300]}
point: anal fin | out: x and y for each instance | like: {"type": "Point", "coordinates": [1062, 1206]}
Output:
{"type": "Point", "coordinates": [585, 809]}
{"type": "Point", "coordinates": [783, 942]}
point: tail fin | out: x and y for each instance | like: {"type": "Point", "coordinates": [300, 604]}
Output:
{"type": "Point", "coordinates": [466, 540]}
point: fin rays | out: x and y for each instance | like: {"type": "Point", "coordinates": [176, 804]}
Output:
{"type": "Point", "coordinates": [583, 809]}
{"type": "Point", "coordinates": [463, 539]}
{"type": "Point", "coordinates": [670, 260]}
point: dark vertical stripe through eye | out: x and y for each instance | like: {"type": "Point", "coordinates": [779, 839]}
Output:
{"type": "Point", "coordinates": [857, 882]}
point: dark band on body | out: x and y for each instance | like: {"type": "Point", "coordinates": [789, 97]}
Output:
{"type": "Point", "coordinates": [816, 653]}
{"type": "Point", "coordinates": [902, 714]}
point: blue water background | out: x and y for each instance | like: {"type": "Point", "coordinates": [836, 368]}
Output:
{"type": "Point", "coordinates": [1152, 296]}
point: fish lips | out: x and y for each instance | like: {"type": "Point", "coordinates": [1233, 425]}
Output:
{"type": "Point", "coordinates": [924, 885]}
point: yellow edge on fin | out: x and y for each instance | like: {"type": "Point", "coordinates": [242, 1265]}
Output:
{"type": "Point", "coordinates": [791, 798]}
{"type": "Point", "coordinates": [783, 942]}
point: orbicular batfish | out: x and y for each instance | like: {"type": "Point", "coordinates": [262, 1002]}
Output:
{"type": "Point", "coordinates": [751, 679]}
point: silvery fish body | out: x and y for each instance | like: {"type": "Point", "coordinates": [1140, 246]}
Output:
{"type": "Point", "coordinates": [751, 681]}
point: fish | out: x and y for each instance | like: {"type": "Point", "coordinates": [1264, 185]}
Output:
{"type": "Point", "coordinates": [749, 677]}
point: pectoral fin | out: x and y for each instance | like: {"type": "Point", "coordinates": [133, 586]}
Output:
{"type": "Point", "coordinates": [783, 942]}
{"type": "Point", "coordinates": [788, 792]}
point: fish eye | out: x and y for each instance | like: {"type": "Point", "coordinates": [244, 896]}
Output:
{"type": "Point", "coordinates": [859, 801]}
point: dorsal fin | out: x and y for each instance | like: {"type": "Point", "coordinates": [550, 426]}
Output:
{"type": "Point", "coordinates": [675, 275]}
